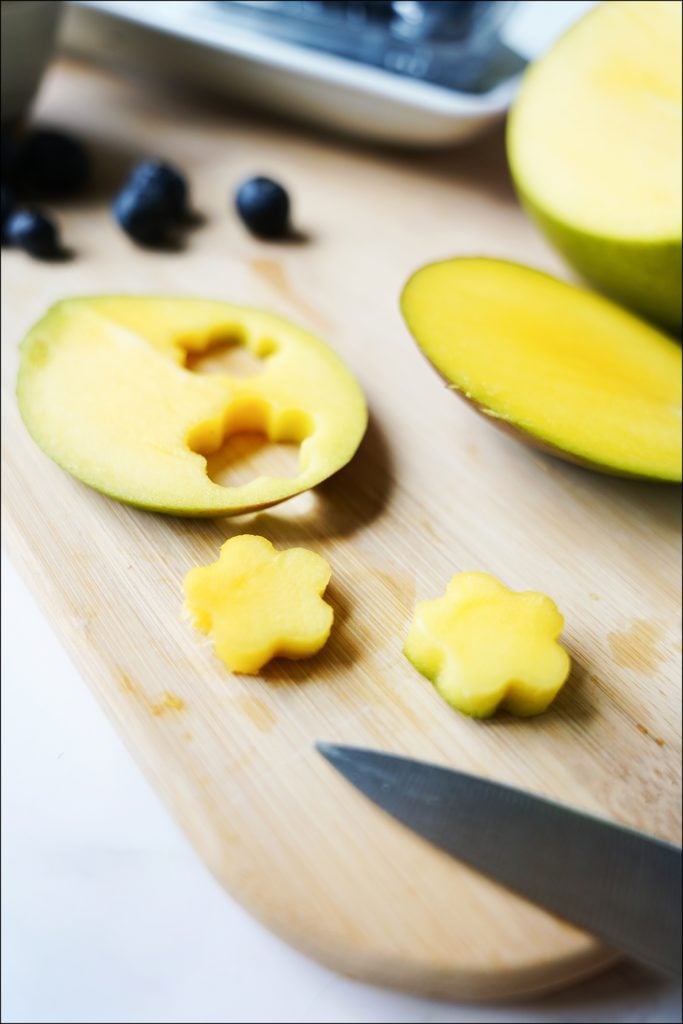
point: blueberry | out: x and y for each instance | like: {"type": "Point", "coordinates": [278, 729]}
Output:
{"type": "Point", "coordinates": [145, 219]}
{"type": "Point", "coordinates": [153, 174]}
{"type": "Point", "coordinates": [8, 203]}
{"type": "Point", "coordinates": [263, 205]}
{"type": "Point", "coordinates": [152, 203]}
{"type": "Point", "coordinates": [33, 232]}
{"type": "Point", "coordinates": [51, 164]}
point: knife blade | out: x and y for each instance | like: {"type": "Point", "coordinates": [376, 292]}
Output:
{"type": "Point", "coordinates": [622, 886]}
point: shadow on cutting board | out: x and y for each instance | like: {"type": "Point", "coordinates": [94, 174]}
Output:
{"type": "Point", "coordinates": [350, 499]}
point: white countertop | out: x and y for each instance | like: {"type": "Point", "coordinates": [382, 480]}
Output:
{"type": "Point", "coordinates": [108, 915]}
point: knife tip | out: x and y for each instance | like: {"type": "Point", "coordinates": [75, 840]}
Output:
{"type": "Point", "coordinates": [328, 750]}
{"type": "Point", "coordinates": [339, 755]}
{"type": "Point", "coordinates": [348, 759]}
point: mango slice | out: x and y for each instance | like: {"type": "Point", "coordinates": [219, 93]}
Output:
{"type": "Point", "coordinates": [257, 603]}
{"type": "Point", "coordinates": [565, 369]}
{"type": "Point", "coordinates": [485, 647]}
{"type": "Point", "coordinates": [107, 390]}
{"type": "Point", "coordinates": [594, 143]}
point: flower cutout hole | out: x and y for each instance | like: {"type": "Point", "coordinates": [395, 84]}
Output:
{"type": "Point", "coordinates": [245, 456]}
{"type": "Point", "coordinates": [228, 354]}
{"type": "Point", "coordinates": [252, 441]}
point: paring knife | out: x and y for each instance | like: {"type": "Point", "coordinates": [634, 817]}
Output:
{"type": "Point", "coordinates": [622, 886]}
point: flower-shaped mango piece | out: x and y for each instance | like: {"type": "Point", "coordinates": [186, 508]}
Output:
{"type": "Point", "coordinates": [257, 603]}
{"type": "Point", "coordinates": [484, 647]}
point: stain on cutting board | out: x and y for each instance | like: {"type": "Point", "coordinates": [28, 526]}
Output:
{"type": "Point", "coordinates": [258, 713]}
{"type": "Point", "coordinates": [646, 732]}
{"type": "Point", "coordinates": [166, 702]}
{"type": "Point", "coordinates": [636, 647]}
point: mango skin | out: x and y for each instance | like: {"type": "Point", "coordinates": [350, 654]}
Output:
{"type": "Point", "coordinates": [645, 278]}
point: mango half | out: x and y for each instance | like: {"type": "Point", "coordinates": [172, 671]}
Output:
{"type": "Point", "coordinates": [564, 369]}
{"type": "Point", "coordinates": [594, 144]}
{"type": "Point", "coordinates": [106, 389]}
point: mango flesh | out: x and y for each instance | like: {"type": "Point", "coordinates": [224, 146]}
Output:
{"type": "Point", "coordinates": [105, 390]}
{"type": "Point", "coordinates": [565, 369]}
{"type": "Point", "coordinates": [594, 144]}
{"type": "Point", "coordinates": [485, 647]}
{"type": "Point", "coordinates": [257, 603]}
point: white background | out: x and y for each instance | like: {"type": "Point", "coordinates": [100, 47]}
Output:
{"type": "Point", "coordinates": [109, 916]}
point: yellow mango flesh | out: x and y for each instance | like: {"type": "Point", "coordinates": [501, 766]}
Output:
{"type": "Point", "coordinates": [594, 141]}
{"type": "Point", "coordinates": [105, 391]}
{"type": "Point", "coordinates": [566, 369]}
{"type": "Point", "coordinates": [485, 647]}
{"type": "Point", "coordinates": [257, 603]}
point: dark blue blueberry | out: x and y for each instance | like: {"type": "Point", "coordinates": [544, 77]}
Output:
{"type": "Point", "coordinates": [8, 204]}
{"type": "Point", "coordinates": [144, 219]}
{"type": "Point", "coordinates": [51, 164]}
{"type": "Point", "coordinates": [152, 203]}
{"type": "Point", "coordinates": [153, 174]}
{"type": "Point", "coordinates": [33, 232]}
{"type": "Point", "coordinates": [263, 205]}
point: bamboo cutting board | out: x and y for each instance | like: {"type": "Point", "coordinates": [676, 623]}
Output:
{"type": "Point", "coordinates": [433, 489]}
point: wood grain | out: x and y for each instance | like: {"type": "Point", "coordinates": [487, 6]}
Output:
{"type": "Point", "coordinates": [433, 489]}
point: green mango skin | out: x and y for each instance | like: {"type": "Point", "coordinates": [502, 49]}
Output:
{"type": "Point", "coordinates": [643, 276]}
